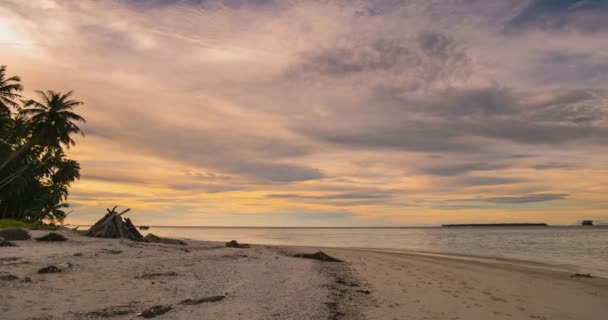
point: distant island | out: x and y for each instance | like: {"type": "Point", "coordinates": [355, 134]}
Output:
{"type": "Point", "coordinates": [497, 225]}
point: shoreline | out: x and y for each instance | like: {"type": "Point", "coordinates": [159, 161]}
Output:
{"type": "Point", "coordinates": [121, 278]}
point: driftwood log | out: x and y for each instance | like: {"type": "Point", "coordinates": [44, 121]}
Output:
{"type": "Point", "coordinates": [112, 225]}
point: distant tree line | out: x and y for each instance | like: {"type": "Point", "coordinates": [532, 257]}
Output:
{"type": "Point", "coordinates": [35, 173]}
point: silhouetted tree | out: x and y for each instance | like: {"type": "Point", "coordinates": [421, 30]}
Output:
{"type": "Point", "coordinates": [35, 174]}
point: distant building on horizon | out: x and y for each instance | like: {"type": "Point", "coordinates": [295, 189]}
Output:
{"type": "Point", "coordinates": [587, 223]}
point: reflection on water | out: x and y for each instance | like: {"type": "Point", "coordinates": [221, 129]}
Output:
{"type": "Point", "coordinates": [576, 248]}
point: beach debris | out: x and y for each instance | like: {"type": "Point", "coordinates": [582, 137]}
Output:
{"type": "Point", "coordinates": [11, 259]}
{"type": "Point", "coordinates": [8, 277]}
{"type": "Point", "coordinates": [65, 265]}
{"type": "Point", "coordinates": [78, 254]}
{"type": "Point", "coordinates": [156, 239]}
{"type": "Point", "coordinates": [14, 234]}
{"type": "Point", "coordinates": [155, 275]}
{"type": "Point", "coordinates": [52, 237]}
{"type": "Point", "coordinates": [110, 312]}
{"type": "Point", "coordinates": [191, 302]}
{"type": "Point", "coordinates": [155, 311]}
{"type": "Point", "coordinates": [6, 243]}
{"type": "Point", "coordinates": [334, 313]}
{"type": "Point", "coordinates": [112, 225]}
{"type": "Point", "coordinates": [321, 256]}
{"type": "Point", "coordinates": [343, 282]}
{"type": "Point", "coordinates": [235, 244]}
{"type": "Point", "coordinates": [581, 275]}
{"type": "Point", "coordinates": [110, 251]}
{"type": "Point", "coordinates": [49, 269]}
{"type": "Point", "coordinates": [364, 291]}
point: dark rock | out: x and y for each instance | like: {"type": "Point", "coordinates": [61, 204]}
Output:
{"type": "Point", "coordinates": [321, 256]}
{"type": "Point", "coordinates": [156, 239]}
{"type": "Point", "coordinates": [52, 237]}
{"type": "Point", "coordinates": [77, 254]}
{"type": "Point", "coordinates": [49, 269]}
{"type": "Point", "coordinates": [581, 275]}
{"type": "Point", "coordinates": [235, 244]}
{"type": "Point", "coordinates": [364, 291]}
{"type": "Point", "coordinates": [155, 311]}
{"type": "Point", "coordinates": [27, 279]}
{"type": "Point", "coordinates": [190, 302]}
{"type": "Point", "coordinates": [14, 234]}
{"type": "Point", "coordinates": [8, 277]}
{"type": "Point", "coordinates": [155, 275]}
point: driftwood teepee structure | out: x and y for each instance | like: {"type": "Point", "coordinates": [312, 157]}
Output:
{"type": "Point", "coordinates": [112, 225]}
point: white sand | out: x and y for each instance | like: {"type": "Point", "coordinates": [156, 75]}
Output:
{"type": "Point", "coordinates": [258, 283]}
{"type": "Point", "coordinates": [265, 283]}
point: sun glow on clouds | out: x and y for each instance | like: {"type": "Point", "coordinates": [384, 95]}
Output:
{"type": "Point", "coordinates": [326, 113]}
{"type": "Point", "coordinates": [10, 36]}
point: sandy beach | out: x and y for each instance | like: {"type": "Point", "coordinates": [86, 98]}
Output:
{"type": "Point", "coordinates": [119, 279]}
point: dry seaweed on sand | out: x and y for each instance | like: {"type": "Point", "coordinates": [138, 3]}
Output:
{"type": "Point", "coordinates": [155, 311]}
{"type": "Point", "coordinates": [235, 244]}
{"type": "Point", "coordinates": [110, 312]}
{"type": "Point", "coordinates": [14, 234]}
{"type": "Point", "coordinates": [8, 277]}
{"type": "Point", "coordinates": [155, 275]}
{"type": "Point", "coordinates": [152, 238]}
{"type": "Point", "coordinates": [190, 302]}
{"type": "Point", "coordinates": [52, 237]}
{"type": "Point", "coordinates": [321, 256]}
{"type": "Point", "coordinates": [6, 243]}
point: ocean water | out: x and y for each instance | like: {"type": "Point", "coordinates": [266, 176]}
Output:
{"type": "Point", "coordinates": [580, 249]}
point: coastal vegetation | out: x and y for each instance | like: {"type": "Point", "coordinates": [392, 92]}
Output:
{"type": "Point", "coordinates": [35, 172]}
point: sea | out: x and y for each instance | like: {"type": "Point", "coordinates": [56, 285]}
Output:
{"type": "Point", "coordinates": [572, 249]}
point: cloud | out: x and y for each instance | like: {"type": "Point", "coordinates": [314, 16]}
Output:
{"type": "Point", "coordinates": [526, 198]}
{"type": "Point", "coordinates": [390, 104]}
{"type": "Point", "coordinates": [583, 15]}
{"type": "Point", "coordinates": [339, 196]}
{"type": "Point", "coordinates": [463, 168]}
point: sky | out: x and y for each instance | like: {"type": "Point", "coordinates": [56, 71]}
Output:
{"type": "Point", "coordinates": [326, 113]}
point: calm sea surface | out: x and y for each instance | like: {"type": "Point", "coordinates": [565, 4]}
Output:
{"type": "Point", "coordinates": [581, 249]}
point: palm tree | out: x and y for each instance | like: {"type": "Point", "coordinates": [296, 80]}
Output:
{"type": "Point", "coordinates": [8, 91]}
{"type": "Point", "coordinates": [51, 121]}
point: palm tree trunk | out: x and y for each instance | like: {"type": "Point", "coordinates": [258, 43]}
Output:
{"type": "Point", "coordinates": [14, 175]}
{"type": "Point", "coordinates": [17, 153]}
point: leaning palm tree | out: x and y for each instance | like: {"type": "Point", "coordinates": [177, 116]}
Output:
{"type": "Point", "coordinates": [51, 121]}
{"type": "Point", "coordinates": [8, 91]}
